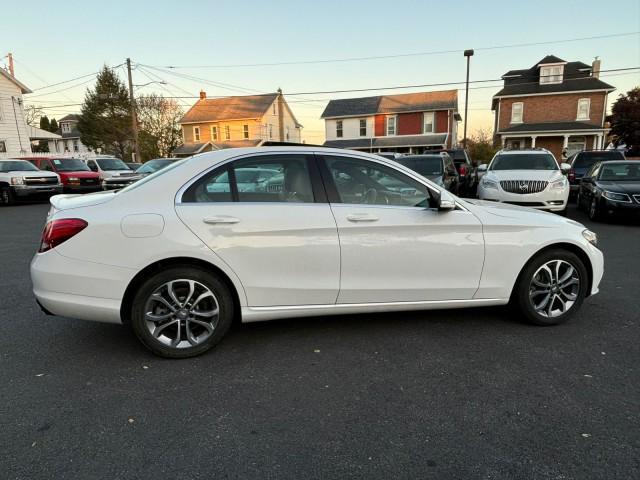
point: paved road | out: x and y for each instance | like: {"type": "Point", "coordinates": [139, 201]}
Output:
{"type": "Point", "coordinates": [453, 394]}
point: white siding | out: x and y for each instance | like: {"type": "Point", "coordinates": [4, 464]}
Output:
{"type": "Point", "coordinates": [350, 128]}
{"type": "Point", "coordinates": [271, 119]}
{"type": "Point", "coordinates": [10, 97]}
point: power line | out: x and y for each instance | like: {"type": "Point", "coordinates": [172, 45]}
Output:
{"type": "Point", "coordinates": [73, 79]}
{"type": "Point", "coordinates": [404, 55]}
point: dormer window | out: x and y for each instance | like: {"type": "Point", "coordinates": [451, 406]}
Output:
{"type": "Point", "coordinates": [551, 74]}
{"type": "Point", "coordinates": [66, 127]}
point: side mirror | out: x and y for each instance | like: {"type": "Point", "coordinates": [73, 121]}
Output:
{"type": "Point", "coordinates": [565, 167]}
{"type": "Point", "coordinates": [446, 201]}
{"type": "Point", "coordinates": [482, 167]}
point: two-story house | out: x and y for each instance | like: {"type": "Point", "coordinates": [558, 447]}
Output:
{"type": "Point", "coordinates": [406, 123]}
{"type": "Point", "coordinates": [242, 121]}
{"type": "Point", "coordinates": [70, 141]}
{"type": "Point", "coordinates": [555, 104]}
{"type": "Point", "coordinates": [14, 134]}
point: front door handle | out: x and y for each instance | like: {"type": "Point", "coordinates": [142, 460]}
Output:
{"type": "Point", "coordinates": [362, 217]}
{"type": "Point", "coordinates": [220, 219]}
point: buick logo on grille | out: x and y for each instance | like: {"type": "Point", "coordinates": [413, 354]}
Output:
{"type": "Point", "coordinates": [523, 187]}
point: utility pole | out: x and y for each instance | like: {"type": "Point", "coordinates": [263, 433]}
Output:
{"type": "Point", "coordinates": [468, 54]}
{"type": "Point", "coordinates": [11, 70]}
{"type": "Point", "coordinates": [134, 116]}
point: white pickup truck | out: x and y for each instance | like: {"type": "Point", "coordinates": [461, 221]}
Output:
{"type": "Point", "coordinates": [21, 180]}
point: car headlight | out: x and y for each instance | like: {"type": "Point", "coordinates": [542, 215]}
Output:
{"type": "Point", "coordinates": [559, 184]}
{"type": "Point", "coordinates": [616, 197]}
{"type": "Point", "coordinates": [17, 181]}
{"type": "Point", "coordinates": [590, 237]}
{"type": "Point", "coordinates": [486, 183]}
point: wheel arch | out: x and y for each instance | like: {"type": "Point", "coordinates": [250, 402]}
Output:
{"type": "Point", "coordinates": [570, 247]}
{"type": "Point", "coordinates": [142, 275]}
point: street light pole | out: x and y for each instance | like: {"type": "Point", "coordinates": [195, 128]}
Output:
{"type": "Point", "coordinates": [134, 117]}
{"type": "Point", "coordinates": [468, 54]}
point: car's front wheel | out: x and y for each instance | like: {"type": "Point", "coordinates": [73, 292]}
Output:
{"type": "Point", "coordinates": [594, 210]}
{"type": "Point", "coordinates": [6, 196]}
{"type": "Point", "coordinates": [182, 312]}
{"type": "Point", "coordinates": [551, 287]}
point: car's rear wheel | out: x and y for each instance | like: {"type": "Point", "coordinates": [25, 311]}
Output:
{"type": "Point", "coordinates": [6, 196]}
{"type": "Point", "coordinates": [182, 312]}
{"type": "Point", "coordinates": [551, 287]}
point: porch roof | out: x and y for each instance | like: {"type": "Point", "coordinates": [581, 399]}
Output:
{"type": "Point", "coordinates": [548, 127]}
{"type": "Point", "coordinates": [433, 140]}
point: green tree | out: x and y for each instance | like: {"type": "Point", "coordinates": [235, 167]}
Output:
{"type": "Point", "coordinates": [53, 125]}
{"type": "Point", "coordinates": [160, 131]}
{"type": "Point", "coordinates": [481, 147]}
{"type": "Point", "coordinates": [625, 118]}
{"type": "Point", "coordinates": [104, 117]}
{"type": "Point", "coordinates": [45, 124]}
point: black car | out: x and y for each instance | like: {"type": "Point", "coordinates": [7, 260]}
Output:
{"type": "Point", "coordinates": [467, 170]}
{"type": "Point", "coordinates": [611, 188]}
{"type": "Point", "coordinates": [144, 169]}
{"type": "Point", "coordinates": [581, 162]}
{"type": "Point", "coordinates": [437, 167]}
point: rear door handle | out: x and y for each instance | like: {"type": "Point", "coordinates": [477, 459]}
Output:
{"type": "Point", "coordinates": [362, 217]}
{"type": "Point", "coordinates": [220, 219]}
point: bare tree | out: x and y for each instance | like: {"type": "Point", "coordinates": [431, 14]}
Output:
{"type": "Point", "coordinates": [160, 131]}
{"type": "Point", "coordinates": [32, 114]}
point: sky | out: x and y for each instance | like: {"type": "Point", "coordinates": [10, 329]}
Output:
{"type": "Point", "coordinates": [211, 39]}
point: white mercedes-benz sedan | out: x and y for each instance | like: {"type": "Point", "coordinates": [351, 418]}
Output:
{"type": "Point", "coordinates": [264, 233]}
{"type": "Point", "coordinates": [529, 178]}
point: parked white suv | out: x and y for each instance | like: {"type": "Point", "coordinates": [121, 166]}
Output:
{"type": "Point", "coordinates": [110, 167]}
{"type": "Point", "coordinates": [529, 178]}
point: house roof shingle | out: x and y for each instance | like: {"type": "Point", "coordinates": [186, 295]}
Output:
{"type": "Point", "coordinates": [550, 59]}
{"type": "Point", "coordinates": [407, 102]}
{"type": "Point", "coordinates": [72, 117]}
{"type": "Point", "coordinates": [229, 108]}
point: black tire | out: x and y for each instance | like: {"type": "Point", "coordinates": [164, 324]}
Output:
{"type": "Point", "coordinates": [222, 297]}
{"type": "Point", "coordinates": [523, 303]}
{"type": "Point", "coordinates": [579, 201]}
{"type": "Point", "coordinates": [594, 210]}
{"type": "Point", "coordinates": [6, 196]}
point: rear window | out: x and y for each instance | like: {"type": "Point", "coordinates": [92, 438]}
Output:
{"type": "Point", "coordinates": [586, 159]}
{"type": "Point", "coordinates": [425, 166]}
{"type": "Point", "coordinates": [458, 156]}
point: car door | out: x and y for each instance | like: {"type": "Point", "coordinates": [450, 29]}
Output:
{"type": "Point", "coordinates": [266, 216]}
{"type": "Point", "coordinates": [394, 246]}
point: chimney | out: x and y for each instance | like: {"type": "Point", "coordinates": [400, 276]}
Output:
{"type": "Point", "coordinates": [203, 95]}
{"type": "Point", "coordinates": [595, 68]}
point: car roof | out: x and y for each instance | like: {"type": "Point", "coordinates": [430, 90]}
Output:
{"type": "Point", "coordinates": [523, 151]}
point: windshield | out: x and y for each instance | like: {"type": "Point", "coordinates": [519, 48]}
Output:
{"type": "Point", "coordinates": [70, 165]}
{"type": "Point", "coordinates": [153, 176]}
{"type": "Point", "coordinates": [426, 166]}
{"type": "Point", "coordinates": [17, 166]}
{"type": "Point", "coordinates": [523, 161]}
{"type": "Point", "coordinates": [586, 159]}
{"type": "Point", "coordinates": [153, 166]}
{"type": "Point", "coordinates": [629, 172]}
{"type": "Point", "coordinates": [109, 164]}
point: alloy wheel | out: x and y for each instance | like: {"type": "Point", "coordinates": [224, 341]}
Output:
{"type": "Point", "coordinates": [554, 288]}
{"type": "Point", "coordinates": [181, 313]}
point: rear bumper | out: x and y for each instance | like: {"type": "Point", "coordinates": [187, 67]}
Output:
{"type": "Point", "coordinates": [79, 289]}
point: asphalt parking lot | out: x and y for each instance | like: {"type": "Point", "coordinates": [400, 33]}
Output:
{"type": "Point", "coordinates": [451, 394]}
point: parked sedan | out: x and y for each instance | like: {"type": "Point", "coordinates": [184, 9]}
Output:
{"type": "Point", "coordinates": [178, 262]}
{"type": "Point", "coordinates": [439, 168]}
{"type": "Point", "coordinates": [611, 188]}
{"type": "Point", "coordinates": [582, 162]}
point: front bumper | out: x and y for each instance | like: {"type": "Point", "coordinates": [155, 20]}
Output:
{"type": "Point", "coordinates": [620, 208]}
{"type": "Point", "coordinates": [82, 188]}
{"type": "Point", "coordinates": [548, 199]}
{"type": "Point", "coordinates": [115, 185]}
{"type": "Point", "coordinates": [36, 191]}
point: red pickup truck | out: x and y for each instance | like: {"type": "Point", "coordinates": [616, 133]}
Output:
{"type": "Point", "coordinates": [74, 174]}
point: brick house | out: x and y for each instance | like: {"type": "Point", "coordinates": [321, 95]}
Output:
{"type": "Point", "coordinates": [555, 104]}
{"type": "Point", "coordinates": [407, 123]}
{"type": "Point", "coordinates": [241, 121]}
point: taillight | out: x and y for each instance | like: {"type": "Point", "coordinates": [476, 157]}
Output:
{"type": "Point", "coordinates": [572, 175]}
{"type": "Point", "coordinates": [57, 231]}
{"type": "Point", "coordinates": [462, 170]}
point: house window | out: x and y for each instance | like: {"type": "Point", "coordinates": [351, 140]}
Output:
{"type": "Point", "coordinates": [287, 134]}
{"type": "Point", "coordinates": [391, 125]}
{"type": "Point", "coordinates": [552, 74]}
{"type": "Point", "coordinates": [428, 122]}
{"type": "Point", "coordinates": [245, 131]}
{"type": "Point", "coordinates": [516, 112]}
{"type": "Point", "coordinates": [214, 133]}
{"type": "Point", "coordinates": [227, 132]}
{"type": "Point", "coordinates": [584, 105]}
{"type": "Point", "coordinates": [363, 127]}
{"type": "Point", "coordinates": [196, 134]}
{"type": "Point", "coordinates": [270, 131]}
{"type": "Point", "coordinates": [3, 146]}
{"type": "Point", "coordinates": [66, 128]}
{"type": "Point", "coordinates": [339, 128]}
{"type": "Point", "coordinates": [76, 147]}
